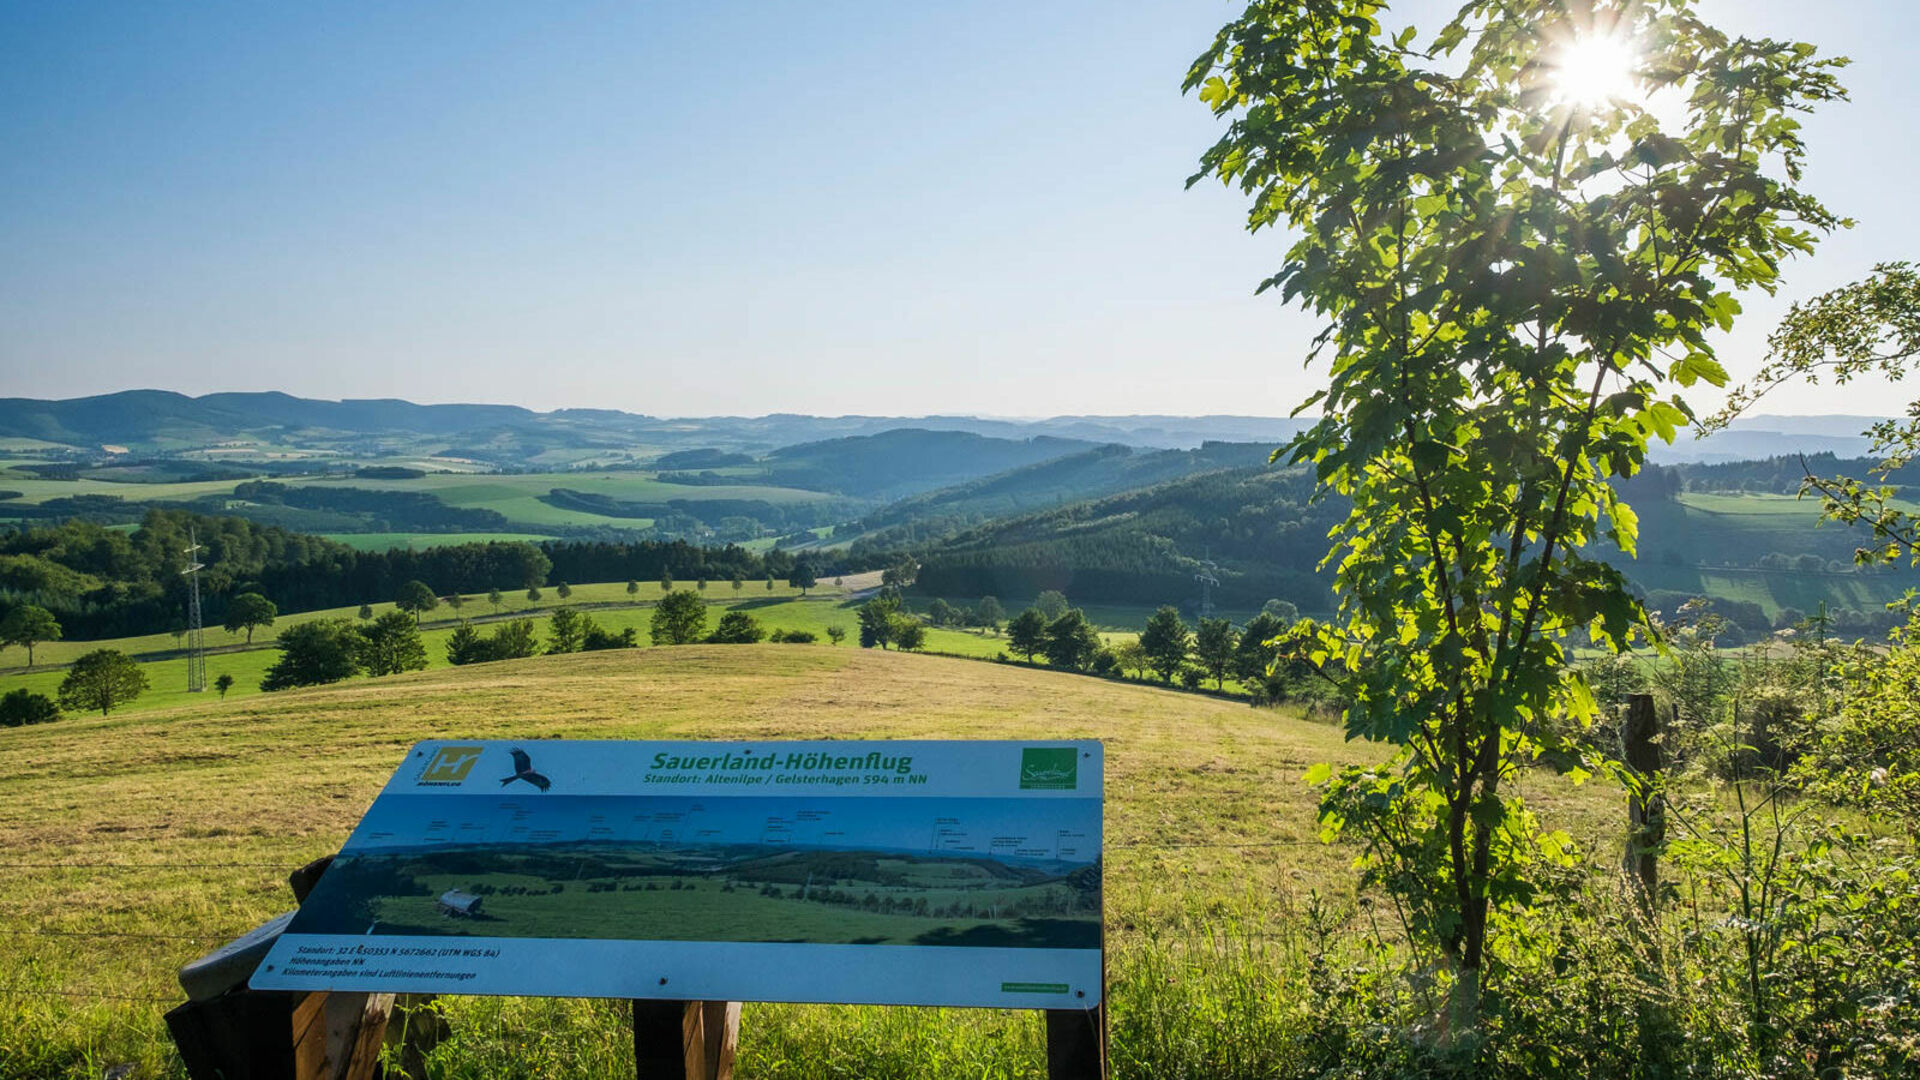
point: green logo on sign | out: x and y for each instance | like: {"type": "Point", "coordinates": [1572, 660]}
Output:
{"type": "Point", "coordinates": [1049, 768]}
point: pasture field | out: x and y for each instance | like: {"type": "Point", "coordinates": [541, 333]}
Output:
{"type": "Point", "coordinates": [782, 608]}
{"type": "Point", "coordinates": [137, 842]}
{"type": "Point", "coordinates": [421, 541]}
{"type": "Point", "coordinates": [518, 496]}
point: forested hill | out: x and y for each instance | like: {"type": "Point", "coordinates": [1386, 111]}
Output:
{"type": "Point", "coordinates": [103, 582]}
{"type": "Point", "coordinates": [1090, 474]}
{"type": "Point", "coordinates": [906, 461]}
{"type": "Point", "coordinates": [1258, 527]}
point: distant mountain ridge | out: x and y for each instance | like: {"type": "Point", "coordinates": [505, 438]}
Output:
{"type": "Point", "coordinates": [161, 420]}
{"type": "Point", "coordinates": [166, 421]}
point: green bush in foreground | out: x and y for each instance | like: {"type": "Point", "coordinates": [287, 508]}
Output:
{"type": "Point", "coordinates": [22, 707]}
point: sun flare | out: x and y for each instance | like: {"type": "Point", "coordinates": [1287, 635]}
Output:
{"type": "Point", "coordinates": [1597, 70]}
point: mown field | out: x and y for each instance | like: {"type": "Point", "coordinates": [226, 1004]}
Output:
{"type": "Point", "coordinates": [137, 842]}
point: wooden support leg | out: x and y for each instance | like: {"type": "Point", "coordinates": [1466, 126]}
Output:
{"type": "Point", "coordinates": [415, 1028]}
{"type": "Point", "coordinates": [1077, 1043]}
{"type": "Point", "coordinates": [685, 1040]}
{"type": "Point", "coordinates": [338, 1035]}
{"type": "Point", "coordinates": [243, 1036]}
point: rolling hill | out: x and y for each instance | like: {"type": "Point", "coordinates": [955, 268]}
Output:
{"type": "Point", "coordinates": [215, 801]}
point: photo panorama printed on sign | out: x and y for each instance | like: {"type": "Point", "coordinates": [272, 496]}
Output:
{"type": "Point", "coordinates": [908, 873]}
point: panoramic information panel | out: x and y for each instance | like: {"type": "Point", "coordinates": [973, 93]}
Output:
{"type": "Point", "coordinates": [902, 873]}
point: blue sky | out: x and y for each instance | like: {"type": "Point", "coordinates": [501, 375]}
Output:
{"type": "Point", "coordinates": [687, 209]}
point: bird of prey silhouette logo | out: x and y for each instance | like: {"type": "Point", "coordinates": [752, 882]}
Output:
{"type": "Point", "coordinates": [523, 770]}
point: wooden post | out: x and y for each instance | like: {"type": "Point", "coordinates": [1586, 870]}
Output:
{"type": "Point", "coordinates": [1646, 815]}
{"type": "Point", "coordinates": [228, 1032]}
{"type": "Point", "coordinates": [242, 1036]}
{"type": "Point", "coordinates": [1077, 1043]}
{"type": "Point", "coordinates": [685, 1040]}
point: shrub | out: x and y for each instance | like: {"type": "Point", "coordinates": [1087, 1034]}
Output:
{"type": "Point", "coordinates": [314, 653]}
{"type": "Point", "coordinates": [736, 628]}
{"type": "Point", "coordinates": [22, 707]}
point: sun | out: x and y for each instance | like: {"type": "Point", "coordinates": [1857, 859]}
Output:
{"type": "Point", "coordinates": [1592, 71]}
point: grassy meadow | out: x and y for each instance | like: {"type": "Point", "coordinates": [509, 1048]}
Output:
{"type": "Point", "coordinates": [517, 496]}
{"type": "Point", "coordinates": [139, 841]}
{"type": "Point", "coordinates": [611, 606]}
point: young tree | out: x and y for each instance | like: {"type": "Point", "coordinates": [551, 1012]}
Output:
{"type": "Point", "coordinates": [836, 634]}
{"type": "Point", "coordinates": [1213, 646]}
{"type": "Point", "coordinates": [416, 597]}
{"type": "Point", "coordinates": [737, 581]}
{"type": "Point", "coordinates": [566, 631]}
{"type": "Point", "coordinates": [1027, 633]}
{"type": "Point", "coordinates": [366, 611]}
{"type": "Point", "coordinates": [391, 644]}
{"type": "Point", "coordinates": [989, 614]}
{"type": "Point", "coordinates": [877, 620]}
{"type": "Point", "coordinates": [1128, 656]}
{"type": "Point", "coordinates": [248, 611]}
{"type": "Point", "coordinates": [313, 653]}
{"type": "Point", "coordinates": [223, 684]}
{"type": "Point", "coordinates": [1071, 641]}
{"type": "Point", "coordinates": [908, 633]}
{"type": "Point", "coordinates": [901, 574]}
{"type": "Point", "coordinates": [466, 646]}
{"type": "Point", "coordinates": [512, 640]}
{"type": "Point", "coordinates": [1166, 641]}
{"type": "Point", "coordinates": [769, 582]}
{"type": "Point", "coordinates": [533, 594]}
{"type": "Point", "coordinates": [666, 581]}
{"type": "Point", "coordinates": [633, 587]}
{"type": "Point", "coordinates": [1051, 604]}
{"type": "Point", "coordinates": [455, 601]}
{"type": "Point", "coordinates": [737, 628]}
{"type": "Point", "coordinates": [563, 590]}
{"type": "Point", "coordinates": [28, 625]}
{"type": "Point", "coordinates": [679, 619]}
{"type": "Point", "coordinates": [1517, 281]}
{"type": "Point", "coordinates": [941, 613]}
{"type": "Point", "coordinates": [802, 577]}
{"type": "Point", "coordinates": [701, 583]}
{"type": "Point", "coordinates": [1257, 650]}
{"type": "Point", "coordinates": [495, 598]}
{"type": "Point", "coordinates": [21, 707]}
{"type": "Point", "coordinates": [102, 679]}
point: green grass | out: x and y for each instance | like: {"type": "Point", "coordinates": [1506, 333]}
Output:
{"type": "Point", "coordinates": [518, 496]}
{"type": "Point", "coordinates": [515, 496]}
{"type": "Point", "coordinates": [419, 541]}
{"type": "Point", "coordinates": [782, 608]}
{"type": "Point", "coordinates": [1212, 866]}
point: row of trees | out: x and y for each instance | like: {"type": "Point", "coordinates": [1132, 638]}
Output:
{"type": "Point", "coordinates": [103, 582]}
{"type": "Point", "coordinates": [328, 650]}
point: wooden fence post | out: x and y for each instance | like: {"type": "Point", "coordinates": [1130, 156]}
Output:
{"type": "Point", "coordinates": [1646, 814]}
{"type": "Point", "coordinates": [685, 1040]}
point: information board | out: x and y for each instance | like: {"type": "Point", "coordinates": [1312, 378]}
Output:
{"type": "Point", "coordinates": [910, 873]}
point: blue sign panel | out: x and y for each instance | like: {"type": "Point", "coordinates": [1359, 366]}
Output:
{"type": "Point", "coordinates": [909, 873]}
